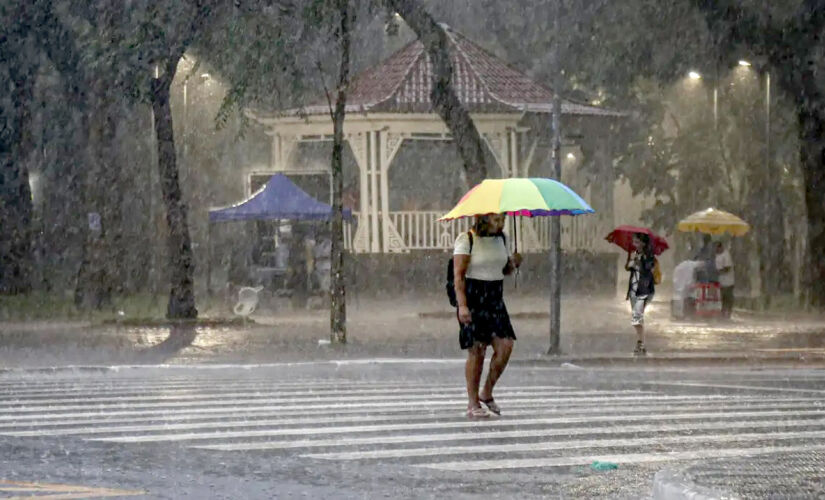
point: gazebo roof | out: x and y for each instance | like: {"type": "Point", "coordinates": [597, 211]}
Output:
{"type": "Point", "coordinates": [484, 83]}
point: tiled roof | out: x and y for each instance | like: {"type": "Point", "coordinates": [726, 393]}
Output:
{"type": "Point", "coordinates": [484, 83]}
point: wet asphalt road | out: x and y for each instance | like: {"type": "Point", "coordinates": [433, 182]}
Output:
{"type": "Point", "coordinates": [367, 429]}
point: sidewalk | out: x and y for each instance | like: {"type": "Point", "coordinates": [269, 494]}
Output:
{"type": "Point", "coordinates": [798, 475]}
{"type": "Point", "coordinates": [595, 330]}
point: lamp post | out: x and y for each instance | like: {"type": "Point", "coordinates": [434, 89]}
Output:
{"type": "Point", "coordinates": [555, 223]}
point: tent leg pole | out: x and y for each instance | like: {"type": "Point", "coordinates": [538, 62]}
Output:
{"type": "Point", "coordinates": [209, 260]}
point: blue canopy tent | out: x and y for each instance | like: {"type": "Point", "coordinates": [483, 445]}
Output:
{"type": "Point", "coordinates": [279, 199]}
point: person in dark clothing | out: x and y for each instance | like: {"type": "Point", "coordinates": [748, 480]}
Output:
{"type": "Point", "coordinates": [724, 264]}
{"type": "Point", "coordinates": [707, 273]}
{"type": "Point", "coordinates": [640, 288]}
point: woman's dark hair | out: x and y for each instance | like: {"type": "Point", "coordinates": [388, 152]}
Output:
{"type": "Point", "coordinates": [481, 226]}
{"type": "Point", "coordinates": [645, 239]}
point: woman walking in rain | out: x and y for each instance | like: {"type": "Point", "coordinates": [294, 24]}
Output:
{"type": "Point", "coordinates": [480, 262]}
{"type": "Point", "coordinates": [640, 289]}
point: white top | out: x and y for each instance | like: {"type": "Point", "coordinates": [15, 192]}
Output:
{"type": "Point", "coordinates": [488, 257]}
{"type": "Point", "coordinates": [724, 260]}
{"type": "Point", "coordinates": [684, 277]}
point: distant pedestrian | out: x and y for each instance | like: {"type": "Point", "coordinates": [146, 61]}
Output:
{"type": "Point", "coordinates": [641, 286]}
{"type": "Point", "coordinates": [724, 264]}
{"type": "Point", "coordinates": [323, 262]}
{"type": "Point", "coordinates": [707, 273]}
{"type": "Point", "coordinates": [480, 262]}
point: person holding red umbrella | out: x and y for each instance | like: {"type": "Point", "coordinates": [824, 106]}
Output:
{"type": "Point", "coordinates": [641, 286]}
{"type": "Point", "coordinates": [642, 245]}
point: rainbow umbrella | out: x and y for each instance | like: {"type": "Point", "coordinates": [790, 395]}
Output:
{"type": "Point", "coordinates": [526, 197]}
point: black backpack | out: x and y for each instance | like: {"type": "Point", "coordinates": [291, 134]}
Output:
{"type": "Point", "coordinates": [451, 276]}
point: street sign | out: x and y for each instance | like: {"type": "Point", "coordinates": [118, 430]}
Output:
{"type": "Point", "coordinates": [94, 222]}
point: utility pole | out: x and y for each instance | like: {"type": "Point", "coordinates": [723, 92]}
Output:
{"type": "Point", "coordinates": [555, 222]}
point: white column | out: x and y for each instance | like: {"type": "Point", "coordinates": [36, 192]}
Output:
{"type": "Point", "coordinates": [375, 241]}
{"type": "Point", "coordinates": [513, 171]}
{"type": "Point", "coordinates": [384, 191]}
{"type": "Point", "coordinates": [358, 144]}
{"type": "Point", "coordinates": [504, 163]}
{"type": "Point", "coordinates": [513, 154]}
{"type": "Point", "coordinates": [282, 148]}
{"type": "Point", "coordinates": [390, 143]}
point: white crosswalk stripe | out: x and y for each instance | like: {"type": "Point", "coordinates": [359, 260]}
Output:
{"type": "Point", "coordinates": [423, 426]}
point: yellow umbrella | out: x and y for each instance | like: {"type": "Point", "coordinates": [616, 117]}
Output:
{"type": "Point", "coordinates": [713, 221]}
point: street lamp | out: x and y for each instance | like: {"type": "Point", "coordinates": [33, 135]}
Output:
{"type": "Point", "coordinates": [744, 63]}
{"type": "Point", "coordinates": [694, 75]}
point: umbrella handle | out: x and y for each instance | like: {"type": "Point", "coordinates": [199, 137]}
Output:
{"type": "Point", "coordinates": [515, 235]}
{"type": "Point", "coordinates": [515, 249]}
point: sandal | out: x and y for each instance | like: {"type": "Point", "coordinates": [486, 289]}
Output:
{"type": "Point", "coordinates": [492, 406]}
{"type": "Point", "coordinates": [477, 413]}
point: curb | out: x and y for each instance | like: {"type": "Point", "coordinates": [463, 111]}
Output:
{"type": "Point", "coordinates": [561, 362]}
{"type": "Point", "coordinates": [674, 358]}
{"type": "Point", "coordinates": [669, 484]}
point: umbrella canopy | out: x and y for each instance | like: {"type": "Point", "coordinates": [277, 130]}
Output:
{"type": "Point", "coordinates": [713, 221]}
{"type": "Point", "coordinates": [280, 198]}
{"type": "Point", "coordinates": [528, 197]}
{"type": "Point", "coordinates": [623, 237]}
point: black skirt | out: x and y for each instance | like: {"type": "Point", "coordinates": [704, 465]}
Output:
{"type": "Point", "coordinates": [485, 299]}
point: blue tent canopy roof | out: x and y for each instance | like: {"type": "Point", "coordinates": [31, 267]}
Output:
{"type": "Point", "coordinates": [279, 199]}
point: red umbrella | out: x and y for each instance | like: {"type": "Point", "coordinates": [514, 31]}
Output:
{"type": "Point", "coordinates": [623, 236]}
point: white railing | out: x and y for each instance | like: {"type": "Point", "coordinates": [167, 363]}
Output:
{"type": "Point", "coordinates": [584, 232]}
{"type": "Point", "coordinates": [349, 230]}
{"type": "Point", "coordinates": [423, 231]}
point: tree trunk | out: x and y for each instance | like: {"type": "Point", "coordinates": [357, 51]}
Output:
{"type": "Point", "coordinates": [98, 271]}
{"type": "Point", "coordinates": [15, 193]}
{"type": "Point", "coordinates": [812, 156]}
{"type": "Point", "coordinates": [444, 98]}
{"type": "Point", "coordinates": [338, 302]}
{"type": "Point", "coordinates": [181, 264]}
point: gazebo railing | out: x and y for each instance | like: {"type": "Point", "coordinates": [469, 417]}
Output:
{"type": "Point", "coordinates": [349, 229]}
{"type": "Point", "coordinates": [586, 232]}
{"type": "Point", "coordinates": [421, 230]}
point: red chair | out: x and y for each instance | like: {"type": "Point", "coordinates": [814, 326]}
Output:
{"type": "Point", "coordinates": [708, 300]}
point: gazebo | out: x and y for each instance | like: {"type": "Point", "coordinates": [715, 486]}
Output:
{"type": "Point", "coordinates": [390, 104]}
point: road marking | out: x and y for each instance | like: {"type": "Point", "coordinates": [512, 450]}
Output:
{"type": "Point", "coordinates": [62, 491]}
{"type": "Point", "coordinates": [227, 387]}
{"type": "Point", "coordinates": [732, 386]}
{"type": "Point", "coordinates": [116, 410]}
{"type": "Point", "coordinates": [499, 449]}
{"type": "Point", "coordinates": [102, 427]}
{"type": "Point", "coordinates": [316, 431]}
{"type": "Point", "coordinates": [496, 435]}
{"type": "Point", "coordinates": [219, 401]}
{"type": "Point", "coordinates": [296, 396]}
{"type": "Point", "coordinates": [446, 409]}
{"type": "Point", "coordinates": [405, 420]}
{"type": "Point", "coordinates": [623, 459]}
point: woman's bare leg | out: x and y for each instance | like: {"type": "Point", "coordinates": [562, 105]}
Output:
{"type": "Point", "coordinates": [472, 372]}
{"type": "Point", "coordinates": [502, 348]}
{"type": "Point", "coordinates": [640, 333]}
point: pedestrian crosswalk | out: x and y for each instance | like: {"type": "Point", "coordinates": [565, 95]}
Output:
{"type": "Point", "coordinates": [413, 423]}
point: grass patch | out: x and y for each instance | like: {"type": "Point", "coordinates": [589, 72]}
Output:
{"type": "Point", "coordinates": [136, 309]}
{"type": "Point", "coordinates": [163, 322]}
